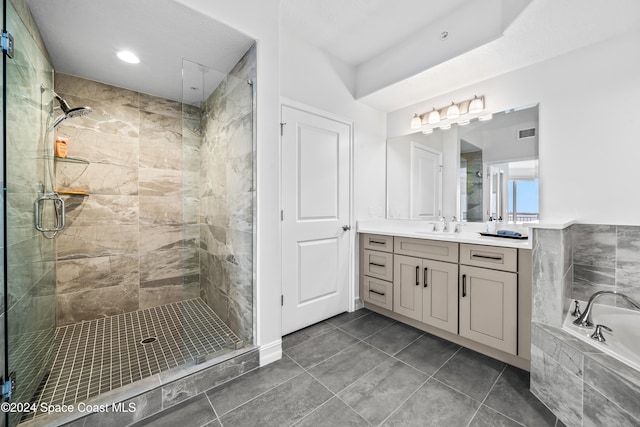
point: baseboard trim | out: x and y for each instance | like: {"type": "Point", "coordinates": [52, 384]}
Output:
{"type": "Point", "coordinates": [271, 352]}
{"type": "Point", "coordinates": [358, 304]}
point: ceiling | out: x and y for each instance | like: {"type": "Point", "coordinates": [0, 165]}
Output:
{"type": "Point", "coordinates": [82, 38]}
{"type": "Point", "coordinates": [543, 30]}
{"type": "Point", "coordinates": [487, 38]}
{"type": "Point", "coordinates": [356, 31]}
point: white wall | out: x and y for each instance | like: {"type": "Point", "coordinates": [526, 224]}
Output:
{"type": "Point", "coordinates": [588, 142]}
{"type": "Point", "coordinates": [259, 19]}
{"type": "Point", "coordinates": [310, 76]}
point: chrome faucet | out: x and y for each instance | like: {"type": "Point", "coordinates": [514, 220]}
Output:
{"type": "Point", "coordinates": [585, 318]}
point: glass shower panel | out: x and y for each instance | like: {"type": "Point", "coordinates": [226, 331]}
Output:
{"type": "Point", "coordinates": [219, 195]}
{"type": "Point", "coordinates": [30, 254]}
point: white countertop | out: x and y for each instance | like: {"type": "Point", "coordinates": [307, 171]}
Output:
{"type": "Point", "coordinates": [418, 229]}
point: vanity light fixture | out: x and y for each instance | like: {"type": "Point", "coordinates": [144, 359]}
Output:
{"type": "Point", "coordinates": [453, 112]}
{"type": "Point", "coordinates": [445, 126]}
{"type": "Point", "coordinates": [427, 131]}
{"type": "Point", "coordinates": [434, 117]}
{"type": "Point", "coordinates": [416, 122]}
{"type": "Point", "coordinates": [129, 57]}
{"type": "Point", "coordinates": [457, 112]}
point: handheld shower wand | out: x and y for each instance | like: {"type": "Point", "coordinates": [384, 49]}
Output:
{"type": "Point", "coordinates": [68, 112]}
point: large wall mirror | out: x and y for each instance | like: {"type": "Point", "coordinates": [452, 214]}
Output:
{"type": "Point", "coordinates": [486, 169]}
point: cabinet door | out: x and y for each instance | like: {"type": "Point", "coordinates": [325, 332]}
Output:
{"type": "Point", "coordinates": [489, 307]}
{"type": "Point", "coordinates": [440, 295]}
{"type": "Point", "coordinates": [407, 286]}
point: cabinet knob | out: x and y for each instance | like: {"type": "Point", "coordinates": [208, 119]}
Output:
{"type": "Point", "coordinates": [346, 227]}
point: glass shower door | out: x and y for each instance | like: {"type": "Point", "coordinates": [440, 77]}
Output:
{"type": "Point", "coordinates": [29, 253]}
{"type": "Point", "coordinates": [218, 208]}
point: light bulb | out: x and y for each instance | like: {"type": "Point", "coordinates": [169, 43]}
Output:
{"type": "Point", "coordinates": [129, 57]}
{"type": "Point", "coordinates": [476, 105]}
{"type": "Point", "coordinates": [453, 112]}
{"type": "Point", "coordinates": [416, 122]}
{"type": "Point", "coordinates": [434, 117]}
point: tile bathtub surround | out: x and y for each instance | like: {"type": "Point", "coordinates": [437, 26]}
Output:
{"type": "Point", "coordinates": [568, 375]}
{"type": "Point", "coordinates": [552, 275]}
{"type": "Point", "coordinates": [361, 384]}
{"type": "Point", "coordinates": [606, 257]}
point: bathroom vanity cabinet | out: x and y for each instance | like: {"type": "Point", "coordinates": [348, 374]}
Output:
{"type": "Point", "coordinates": [478, 296]}
{"type": "Point", "coordinates": [425, 281]}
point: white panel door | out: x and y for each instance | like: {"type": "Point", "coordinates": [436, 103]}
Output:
{"type": "Point", "coordinates": [315, 233]}
{"type": "Point", "coordinates": [426, 183]}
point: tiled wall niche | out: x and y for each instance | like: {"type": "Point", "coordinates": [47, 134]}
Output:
{"type": "Point", "coordinates": [579, 383]}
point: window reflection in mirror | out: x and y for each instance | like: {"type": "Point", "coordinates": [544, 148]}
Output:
{"type": "Point", "coordinates": [489, 169]}
{"type": "Point", "coordinates": [500, 161]}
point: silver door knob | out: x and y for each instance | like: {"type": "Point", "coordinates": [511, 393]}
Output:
{"type": "Point", "coordinates": [346, 227]}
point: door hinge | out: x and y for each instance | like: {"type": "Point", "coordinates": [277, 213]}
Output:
{"type": "Point", "coordinates": [7, 43]}
{"type": "Point", "coordinates": [281, 215]}
{"type": "Point", "coordinates": [282, 300]}
{"type": "Point", "coordinates": [9, 387]}
{"type": "Point", "coordinates": [282, 128]}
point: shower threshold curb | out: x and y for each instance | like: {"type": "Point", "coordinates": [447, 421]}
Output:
{"type": "Point", "coordinates": [133, 390]}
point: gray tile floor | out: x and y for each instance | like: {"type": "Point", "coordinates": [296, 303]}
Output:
{"type": "Point", "coordinates": [362, 369]}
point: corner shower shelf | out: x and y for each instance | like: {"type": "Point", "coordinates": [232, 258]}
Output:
{"type": "Point", "coordinates": [72, 160]}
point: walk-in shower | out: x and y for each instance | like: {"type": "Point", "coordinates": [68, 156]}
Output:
{"type": "Point", "coordinates": [149, 272]}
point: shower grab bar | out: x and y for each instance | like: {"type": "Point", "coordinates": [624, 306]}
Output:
{"type": "Point", "coordinates": [58, 207]}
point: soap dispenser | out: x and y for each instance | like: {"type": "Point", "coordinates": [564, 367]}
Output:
{"type": "Point", "coordinates": [491, 226]}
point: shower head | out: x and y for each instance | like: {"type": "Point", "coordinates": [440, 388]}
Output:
{"type": "Point", "coordinates": [68, 112]}
{"type": "Point", "coordinates": [78, 112]}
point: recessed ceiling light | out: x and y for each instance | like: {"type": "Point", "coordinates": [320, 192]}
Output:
{"type": "Point", "coordinates": [129, 57]}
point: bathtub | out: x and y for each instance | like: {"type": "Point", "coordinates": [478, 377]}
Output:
{"type": "Point", "coordinates": [623, 343]}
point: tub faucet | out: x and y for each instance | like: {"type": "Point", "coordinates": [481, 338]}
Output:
{"type": "Point", "coordinates": [585, 318]}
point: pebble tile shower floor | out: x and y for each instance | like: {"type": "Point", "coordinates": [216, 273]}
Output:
{"type": "Point", "coordinates": [97, 356]}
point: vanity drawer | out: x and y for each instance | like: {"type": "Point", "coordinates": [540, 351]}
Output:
{"type": "Point", "coordinates": [431, 249]}
{"type": "Point", "coordinates": [377, 242]}
{"type": "Point", "coordinates": [378, 264]}
{"type": "Point", "coordinates": [377, 292]}
{"type": "Point", "coordinates": [497, 258]}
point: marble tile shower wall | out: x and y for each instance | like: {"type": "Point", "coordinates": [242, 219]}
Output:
{"type": "Point", "coordinates": [131, 244]}
{"type": "Point", "coordinates": [227, 193]}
